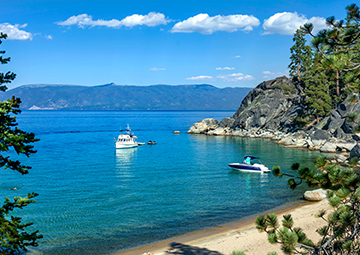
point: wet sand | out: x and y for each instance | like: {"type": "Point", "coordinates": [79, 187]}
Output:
{"type": "Point", "coordinates": [241, 235]}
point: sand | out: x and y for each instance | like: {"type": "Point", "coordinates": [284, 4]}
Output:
{"type": "Point", "coordinates": [242, 236]}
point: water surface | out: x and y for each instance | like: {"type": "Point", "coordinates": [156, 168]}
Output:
{"type": "Point", "coordinates": [95, 199]}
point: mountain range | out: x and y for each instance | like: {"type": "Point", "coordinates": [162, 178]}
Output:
{"type": "Point", "coordinates": [127, 97]}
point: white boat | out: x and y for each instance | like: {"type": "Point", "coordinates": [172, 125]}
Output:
{"type": "Point", "coordinates": [250, 164]}
{"type": "Point", "coordinates": [126, 140]}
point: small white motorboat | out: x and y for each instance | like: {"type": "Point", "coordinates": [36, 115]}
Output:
{"type": "Point", "coordinates": [250, 164]}
{"type": "Point", "coordinates": [126, 139]}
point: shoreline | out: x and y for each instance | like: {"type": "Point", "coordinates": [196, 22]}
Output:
{"type": "Point", "coordinates": [237, 235]}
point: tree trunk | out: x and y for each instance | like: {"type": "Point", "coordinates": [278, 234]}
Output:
{"type": "Point", "coordinates": [337, 84]}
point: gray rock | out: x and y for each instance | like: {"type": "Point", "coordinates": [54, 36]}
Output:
{"type": "Point", "coordinates": [203, 126]}
{"type": "Point", "coordinates": [355, 152]}
{"type": "Point", "coordinates": [340, 158]}
{"type": "Point", "coordinates": [271, 105]}
{"type": "Point", "coordinates": [320, 135]}
{"type": "Point", "coordinates": [315, 195]}
{"type": "Point", "coordinates": [328, 147]}
{"type": "Point", "coordinates": [227, 122]}
{"type": "Point", "coordinates": [345, 146]}
{"type": "Point", "coordinates": [340, 134]}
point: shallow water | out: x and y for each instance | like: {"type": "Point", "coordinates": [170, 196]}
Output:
{"type": "Point", "coordinates": [95, 199]}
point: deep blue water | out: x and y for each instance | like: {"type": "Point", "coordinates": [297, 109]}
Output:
{"type": "Point", "coordinates": [95, 199]}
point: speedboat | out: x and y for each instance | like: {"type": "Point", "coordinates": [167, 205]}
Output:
{"type": "Point", "coordinates": [250, 164]}
{"type": "Point", "coordinates": [126, 139]}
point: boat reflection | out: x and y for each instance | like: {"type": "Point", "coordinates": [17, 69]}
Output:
{"type": "Point", "coordinates": [125, 157]}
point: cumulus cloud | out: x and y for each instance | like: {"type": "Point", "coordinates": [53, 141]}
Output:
{"type": "Point", "coordinates": [269, 75]}
{"type": "Point", "coordinates": [200, 77]}
{"type": "Point", "coordinates": [204, 24]}
{"type": "Point", "coordinates": [286, 23]}
{"type": "Point", "coordinates": [234, 77]}
{"type": "Point", "coordinates": [224, 68]}
{"type": "Point", "coordinates": [14, 33]}
{"type": "Point", "coordinates": [49, 37]}
{"type": "Point", "coordinates": [151, 19]}
{"type": "Point", "coordinates": [157, 69]}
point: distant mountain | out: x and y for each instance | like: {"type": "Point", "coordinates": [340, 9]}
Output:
{"type": "Point", "coordinates": [116, 97]}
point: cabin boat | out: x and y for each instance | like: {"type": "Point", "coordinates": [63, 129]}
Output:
{"type": "Point", "coordinates": [250, 164]}
{"type": "Point", "coordinates": [126, 139]}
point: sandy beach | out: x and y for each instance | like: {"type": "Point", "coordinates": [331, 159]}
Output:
{"type": "Point", "coordinates": [242, 236]}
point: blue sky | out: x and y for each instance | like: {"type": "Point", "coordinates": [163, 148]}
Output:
{"type": "Point", "coordinates": [228, 43]}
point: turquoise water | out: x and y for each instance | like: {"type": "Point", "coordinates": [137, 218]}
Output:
{"type": "Point", "coordinates": [96, 200]}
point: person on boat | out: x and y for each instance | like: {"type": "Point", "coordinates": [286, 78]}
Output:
{"type": "Point", "coordinates": [247, 160]}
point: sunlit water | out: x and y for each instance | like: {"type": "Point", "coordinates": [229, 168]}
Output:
{"type": "Point", "coordinates": [95, 199]}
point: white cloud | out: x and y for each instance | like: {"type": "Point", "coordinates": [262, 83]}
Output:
{"type": "Point", "coordinates": [286, 23]}
{"type": "Point", "coordinates": [157, 69]}
{"type": "Point", "coordinates": [225, 68]}
{"type": "Point", "coordinates": [14, 33]}
{"type": "Point", "coordinates": [237, 56]}
{"type": "Point", "coordinates": [204, 24]}
{"type": "Point", "coordinates": [49, 37]}
{"type": "Point", "coordinates": [234, 77]}
{"type": "Point", "coordinates": [269, 75]}
{"type": "Point", "coordinates": [151, 19]}
{"type": "Point", "coordinates": [200, 77]}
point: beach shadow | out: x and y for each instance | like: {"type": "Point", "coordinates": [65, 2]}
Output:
{"type": "Point", "coordinates": [183, 249]}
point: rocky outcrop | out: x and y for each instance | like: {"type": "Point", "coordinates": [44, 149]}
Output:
{"type": "Point", "coordinates": [269, 111]}
{"type": "Point", "coordinates": [203, 126]}
{"type": "Point", "coordinates": [271, 105]}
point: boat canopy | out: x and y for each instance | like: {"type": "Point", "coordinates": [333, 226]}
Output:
{"type": "Point", "coordinates": [251, 157]}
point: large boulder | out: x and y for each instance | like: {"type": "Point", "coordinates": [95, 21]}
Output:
{"type": "Point", "coordinates": [203, 126]}
{"type": "Point", "coordinates": [315, 195]}
{"type": "Point", "coordinates": [355, 152]}
{"type": "Point", "coordinates": [271, 105]}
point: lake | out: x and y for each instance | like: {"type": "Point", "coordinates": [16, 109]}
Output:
{"type": "Point", "coordinates": [95, 199]}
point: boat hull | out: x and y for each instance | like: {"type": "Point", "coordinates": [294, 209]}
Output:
{"type": "Point", "coordinates": [119, 145]}
{"type": "Point", "coordinates": [249, 168]}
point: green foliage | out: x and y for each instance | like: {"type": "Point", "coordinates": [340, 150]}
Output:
{"type": "Point", "coordinates": [338, 47]}
{"type": "Point", "coordinates": [301, 55]}
{"type": "Point", "coordinates": [352, 99]}
{"type": "Point", "coordinates": [353, 161]}
{"type": "Point", "coordinates": [317, 91]}
{"type": "Point", "coordinates": [236, 252]}
{"type": "Point", "coordinates": [288, 236]}
{"type": "Point", "coordinates": [13, 237]}
{"type": "Point", "coordinates": [351, 117]}
{"type": "Point", "coordinates": [301, 121]}
{"type": "Point", "coordinates": [341, 233]}
{"type": "Point", "coordinates": [321, 162]}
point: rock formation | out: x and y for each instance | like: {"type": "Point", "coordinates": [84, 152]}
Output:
{"type": "Point", "coordinates": [269, 110]}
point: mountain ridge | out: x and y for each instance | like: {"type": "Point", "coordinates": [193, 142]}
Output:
{"type": "Point", "coordinates": [127, 97]}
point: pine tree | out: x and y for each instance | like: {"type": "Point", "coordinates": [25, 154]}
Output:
{"type": "Point", "coordinates": [13, 237]}
{"type": "Point", "coordinates": [339, 48]}
{"type": "Point", "coordinates": [301, 55]}
{"type": "Point", "coordinates": [317, 90]}
{"type": "Point", "coordinates": [340, 234]}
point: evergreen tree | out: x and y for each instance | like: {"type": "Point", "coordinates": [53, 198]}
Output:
{"type": "Point", "coordinates": [339, 48]}
{"type": "Point", "coordinates": [301, 54]}
{"type": "Point", "coordinates": [13, 237]}
{"type": "Point", "coordinates": [340, 234]}
{"type": "Point", "coordinates": [317, 91]}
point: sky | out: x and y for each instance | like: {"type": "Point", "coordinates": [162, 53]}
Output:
{"type": "Point", "coordinates": [227, 43]}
